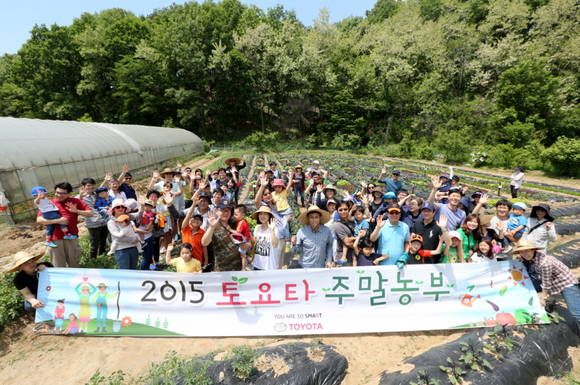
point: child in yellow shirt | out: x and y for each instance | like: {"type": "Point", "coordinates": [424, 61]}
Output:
{"type": "Point", "coordinates": [185, 263]}
{"type": "Point", "coordinates": [280, 195]}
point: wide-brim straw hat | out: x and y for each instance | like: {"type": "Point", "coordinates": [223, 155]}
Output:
{"type": "Point", "coordinates": [324, 215]}
{"type": "Point", "coordinates": [169, 171]}
{"type": "Point", "coordinates": [525, 244]}
{"type": "Point", "coordinates": [262, 209]}
{"type": "Point", "coordinates": [237, 160]}
{"type": "Point", "coordinates": [330, 187]}
{"type": "Point", "coordinates": [13, 264]}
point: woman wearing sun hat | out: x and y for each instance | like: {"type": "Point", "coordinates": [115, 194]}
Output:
{"type": "Point", "coordinates": [549, 275]}
{"type": "Point", "coordinates": [267, 238]}
{"type": "Point", "coordinates": [26, 280]}
{"type": "Point", "coordinates": [541, 229]}
{"type": "Point", "coordinates": [314, 240]}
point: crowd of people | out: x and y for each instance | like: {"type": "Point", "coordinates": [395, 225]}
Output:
{"type": "Point", "coordinates": [379, 224]}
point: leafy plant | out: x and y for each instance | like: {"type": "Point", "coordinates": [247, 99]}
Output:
{"type": "Point", "coordinates": [473, 357]}
{"type": "Point", "coordinates": [115, 378]}
{"type": "Point", "coordinates": [243, 361]}
{"type": "Point", "coordinates": [454, 371]}
{"type": "Point", "coordinates": [423, 378]}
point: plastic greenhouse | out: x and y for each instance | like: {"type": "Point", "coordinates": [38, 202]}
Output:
{"type": "Point", "coordinates": [45, 152]}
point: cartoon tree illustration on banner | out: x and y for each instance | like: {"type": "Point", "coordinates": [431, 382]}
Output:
{"type": "Point", "coordinates": [157, 322]}
{"type": "Point", "coordinates": [165, 324]}
{"type": "Point", "coordinates": [148, 320]}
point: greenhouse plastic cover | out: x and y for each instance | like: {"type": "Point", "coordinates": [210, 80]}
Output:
{"type": "Point", "coordinates": [29, 143]}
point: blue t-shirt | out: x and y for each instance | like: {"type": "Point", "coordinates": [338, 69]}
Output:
{"type": "Point", "coordinates": [516, 221]}
{"type": "Point", "coordinates": [392, 241]}
{"type": "Point", "coordinates": [454, 218]}
{"type": "Point", "coordinates": [392, 185]}
{"type": "Point", "coordinates": [358, 226]}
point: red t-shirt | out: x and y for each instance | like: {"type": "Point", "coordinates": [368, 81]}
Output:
{"type": "Point", "coordinates": [72, 217]}
{"type": "Point", "coordinates": [243, 227]}
{"type": "Point", "coordinates": [194, 240]}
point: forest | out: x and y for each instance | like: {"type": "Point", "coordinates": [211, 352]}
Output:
{"type": "Point", "coordinates": [489, 83]}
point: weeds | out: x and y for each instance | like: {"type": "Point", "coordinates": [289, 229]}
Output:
{"type": "Point", "coordinates": [473, 357]}
{"type": "Point", "coordinates": [454, 371]}
{"type": "Point", "coordinates": [244, 358]}
{"type": "Point", "coordinates": [423, 378]}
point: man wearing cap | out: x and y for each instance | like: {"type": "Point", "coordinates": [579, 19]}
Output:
{"type": "Point", "coordinates": [393, 236]}
{"type": "Point", "coordinates": [68, 251]}
{"type": "Point", "coordinates": [314, 240]}
{"type": "Point", "coordinates": [177, 185]}
{"type": "Point", "coordinates": [95, 224]}
{"type": "Point", "coordinates": [393, 183]}
{"type": "Point", "coordinates": [428, 229]}
{"type": "Point", "coordinates": [125, 179]}
{"type": "Point", "coordinates": [473, 205]}
{"type": "Point", "coordinates": [549, 276]}
{"type": "Point", "coordinates": [226, 252]}
{"type": "Point", "coordinates": [26, 280]}
{"type": "Point", "coordinates": [451, 211]}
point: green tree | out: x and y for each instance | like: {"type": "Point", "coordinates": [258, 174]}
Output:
{"type": "Point", "coordinates": [382, 10]}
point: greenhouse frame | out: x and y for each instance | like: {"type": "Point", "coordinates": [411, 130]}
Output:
{"type": "Point", "coordinates": [46, 152]}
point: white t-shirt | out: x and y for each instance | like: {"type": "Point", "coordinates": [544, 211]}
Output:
{"type": "Point", "coordinates": [495, 222]}
{"type": "Point", "coordinates": [119, 195]}
{"type": "Point", "coordinates": [46, 206]}
{"type": "Point", "coordinates": [517, 179]}
{"type": "Point", "coordinates": [178, 200]}
{"type": "Point", "coordinates": [266, 257]}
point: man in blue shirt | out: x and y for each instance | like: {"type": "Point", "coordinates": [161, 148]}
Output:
{"type": "Point", "coordinates": [314, 240]}
{"type": "Point", "coordinates": [393, 236]}
{"type": "Point", "coordinates": [393, 184]}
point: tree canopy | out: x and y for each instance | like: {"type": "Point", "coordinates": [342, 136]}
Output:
{"type": "Point", "coordinates": [411, 74]}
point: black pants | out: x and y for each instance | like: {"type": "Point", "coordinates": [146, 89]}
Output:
{"type": "Point", "coordinates": [98, 241]}
{"type": "Point", "coordinates": [514, 191]}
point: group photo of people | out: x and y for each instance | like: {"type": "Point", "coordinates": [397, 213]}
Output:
{"type": "Point", "coordinates": [194, 222]}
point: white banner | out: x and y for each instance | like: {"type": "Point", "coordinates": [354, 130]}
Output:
{"type": "Point", "coordinates": [286, 302]}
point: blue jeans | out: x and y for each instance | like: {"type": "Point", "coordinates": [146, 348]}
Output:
{"type": "Point", "coordinates": [50, 228]}
{"type": "Point", "coordinates": [572, 297]}
{"type": "Point", "coordinates": [127, 258]}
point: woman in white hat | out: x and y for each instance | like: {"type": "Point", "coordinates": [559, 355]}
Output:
{"type": "Point", "coordinates": [314, 240]}
{"type": "Point", "coordinates": [549, 275]}
{"type": "Point", "coordinates": [26, 280]}
{"type": "Point", "coordinates": [267, 239]}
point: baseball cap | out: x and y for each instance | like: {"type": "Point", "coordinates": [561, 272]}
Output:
{"type": "Point", "coordinates": [101, 189]}
{"type": "Point", "coordinates": [36, 190]}
{"type": "Point", "coordinates": [428, 205]}
{"type": "Point", "coordinates": [390, 195]}
{"type": "Point", "coordinates": [396, 172]}
{"type": "Point", "coordinates": [520, 205]}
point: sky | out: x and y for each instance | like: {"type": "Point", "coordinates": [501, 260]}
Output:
{"type": "Point", "coordinates": [18, 17]}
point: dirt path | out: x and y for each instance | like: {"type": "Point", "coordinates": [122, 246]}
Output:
{"type": "Point", "coordinates": [248, 184]}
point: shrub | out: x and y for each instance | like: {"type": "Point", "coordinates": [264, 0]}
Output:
{"type": "Point", "coordinates": [564, 156]}
{"type": "Point", "coordinates": [261, 141]}
{"type": "Point", "coordinates": [10, 300]}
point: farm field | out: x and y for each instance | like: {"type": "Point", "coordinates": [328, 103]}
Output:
{"type": "Point", "coordinates": [26, 358]}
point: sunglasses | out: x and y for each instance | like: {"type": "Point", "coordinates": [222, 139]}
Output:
{"type": "Point", "coordinates": [343, 209]}
{"type": "Point", "coordinates": [394, 213]}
